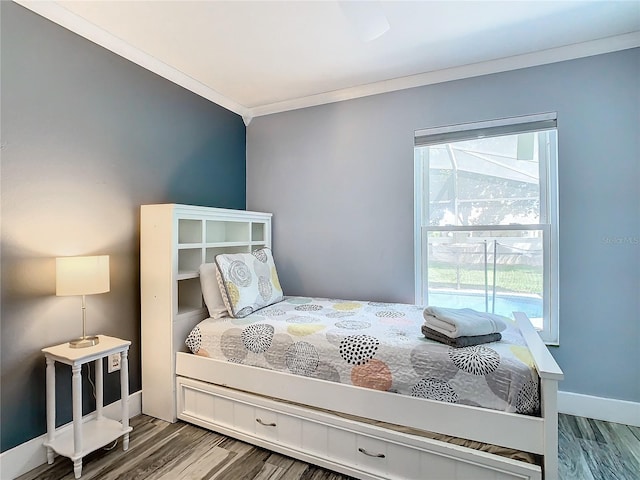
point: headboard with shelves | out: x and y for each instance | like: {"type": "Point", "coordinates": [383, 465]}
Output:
{"type": "Point", "coordinates": [174, 241]}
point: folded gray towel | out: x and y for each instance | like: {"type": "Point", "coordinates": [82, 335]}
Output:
{"type": "Point", "coordinates": [463, 322]}
{"type": "Point", "coordinates": [460, 341]}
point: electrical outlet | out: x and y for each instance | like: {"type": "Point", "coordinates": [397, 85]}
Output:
{"type": "Point", "coordinates": [114, 363]}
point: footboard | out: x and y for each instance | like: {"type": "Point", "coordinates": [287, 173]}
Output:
{"type": "Point", "coordinates": [343, 445]}
{"type": "Point", "coordinates": [550, 374]}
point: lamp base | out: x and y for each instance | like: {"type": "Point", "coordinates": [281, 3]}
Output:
{"type": "Point", "coordinates": [84, 342]}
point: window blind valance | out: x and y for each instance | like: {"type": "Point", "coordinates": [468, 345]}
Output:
{"type": "Point", "coordinates": [492, 128]}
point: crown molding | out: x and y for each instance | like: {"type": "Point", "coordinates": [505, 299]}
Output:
{"type": "Point", "coordinates": [542, 57]}
{"type": "Point", "coordinates": [53, 11]}
{"type": "Point", "coordinates": [63, 17]}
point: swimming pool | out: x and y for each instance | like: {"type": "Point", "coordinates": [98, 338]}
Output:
{"type": "Point", "coordinates": [505, 304]}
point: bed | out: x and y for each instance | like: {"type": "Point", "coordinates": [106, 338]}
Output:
{"type": "Point", "coordinates": [374, 345]}
{"type": "Point", "coordinates": [369, 431]}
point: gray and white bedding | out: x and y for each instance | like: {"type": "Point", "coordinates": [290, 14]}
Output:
{"type": "Point", "coordinates": [374, 345]}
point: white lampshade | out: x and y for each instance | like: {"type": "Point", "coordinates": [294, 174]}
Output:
{"type": "Point", "coordinates": [82, 275]}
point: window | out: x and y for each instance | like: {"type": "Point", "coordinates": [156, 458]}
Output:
{"type": "Point", "coordinates": [486, 222]}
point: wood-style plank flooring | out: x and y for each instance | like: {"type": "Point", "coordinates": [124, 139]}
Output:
{"type": "Point", "coordinates": [589, 450]}
{"type": "Point", "coordinates": [595, 450]}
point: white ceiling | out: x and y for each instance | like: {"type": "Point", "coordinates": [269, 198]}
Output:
{"type": "Point", "coordinates": [259, 57]}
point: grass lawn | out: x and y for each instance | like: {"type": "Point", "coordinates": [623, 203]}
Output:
{"type": "Point", "coordinates": [509, 278]}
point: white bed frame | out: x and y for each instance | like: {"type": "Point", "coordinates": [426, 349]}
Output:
{"type": "Point", "coordinates": [239, 401]}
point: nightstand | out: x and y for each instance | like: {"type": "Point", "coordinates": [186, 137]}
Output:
{"type": "Point", "coordinates": [85, 437]}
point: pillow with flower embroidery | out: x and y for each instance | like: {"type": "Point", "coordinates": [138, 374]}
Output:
{"type": "Point", "coordinates": [248, 281]}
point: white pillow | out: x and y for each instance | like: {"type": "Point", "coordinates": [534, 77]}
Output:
{"type": "Point", "coordinates": [211, 291]}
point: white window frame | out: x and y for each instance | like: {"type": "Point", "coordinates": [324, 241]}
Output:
{"type": "Point", "coordinates": [548, 206]}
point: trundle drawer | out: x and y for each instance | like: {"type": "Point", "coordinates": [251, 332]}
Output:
{"type": "Point", "coordinates": [342, 445]}
{"type": "Point", "coordinates": [315, 439]}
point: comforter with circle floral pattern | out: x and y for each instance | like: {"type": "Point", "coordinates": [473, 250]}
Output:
{"type": "Point", "coordinates": [374, 345]}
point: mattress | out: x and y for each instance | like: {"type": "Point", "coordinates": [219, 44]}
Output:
{"type": "Point", "coordinates": [374, 345]}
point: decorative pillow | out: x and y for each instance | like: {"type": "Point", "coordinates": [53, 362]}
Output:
{"type": "Point", "coordinates": [211, 292]}
{"type": "Point", "coordinates": [249, 281]}
{"type": "Point", "coordinates": [223, 292]}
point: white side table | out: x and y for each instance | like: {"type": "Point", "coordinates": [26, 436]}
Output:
{"type": "Point", "coordinates": [100, 431]}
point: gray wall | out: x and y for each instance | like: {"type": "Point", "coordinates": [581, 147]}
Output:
{"type": "Point", "coordinates": [339, 180]}
{"type": "Point", "coordinates": [87, 138]}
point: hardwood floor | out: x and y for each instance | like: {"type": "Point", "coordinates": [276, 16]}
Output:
{"type": "Point", "coordinates": [595, 450]}
{"type": "Point", "coordinates": [164, 451]}
{"type": "Point", "coordinates": [589, 450]}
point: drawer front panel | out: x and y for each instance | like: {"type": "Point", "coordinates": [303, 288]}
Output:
{"type": "Point", "coordinates": [342, 446]}
{"type": "Point", "coordinates": [244, 418]}
{"type": "Point", "coordinates": [345, 448]}
{"type": "Point", "coordinates": [314, 438]}
{"type": "Point", "coordinates": [289, 431]}
{"type": "Point", "coordinates": [405, 461]}
{"type": "Point", "coordinates": [437, 466]}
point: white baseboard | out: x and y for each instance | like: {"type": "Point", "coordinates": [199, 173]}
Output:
{"type": "Point", "coordinates": [600, 408]}
{"type": "Point", "coordinates": [29, 455]}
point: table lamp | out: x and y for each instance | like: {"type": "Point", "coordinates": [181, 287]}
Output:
{"type": "Point", "coordinates": [82, 276]}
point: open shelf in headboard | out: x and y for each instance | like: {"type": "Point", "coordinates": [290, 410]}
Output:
{"type": "Point", "coordinates": [174, 241]}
